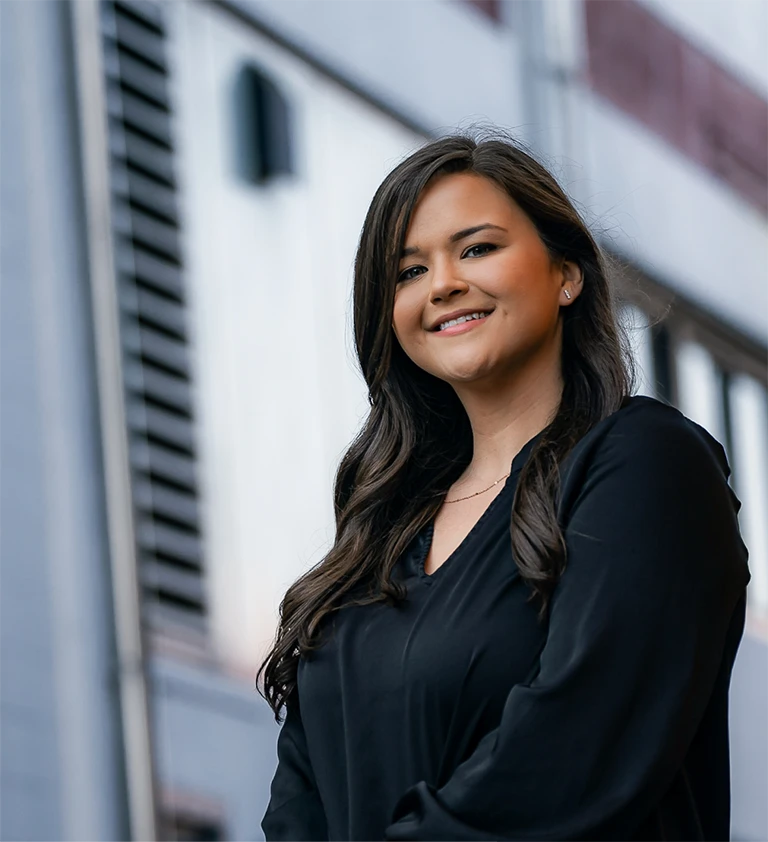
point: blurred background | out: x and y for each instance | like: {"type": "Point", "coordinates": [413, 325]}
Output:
{"type": "Point", "coordinates": [182, 189]}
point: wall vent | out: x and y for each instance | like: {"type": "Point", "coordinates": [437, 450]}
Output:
{"type": "Point", "coordinates": [153, 314]}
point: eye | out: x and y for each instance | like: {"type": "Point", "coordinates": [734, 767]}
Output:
{"type": "Point", "coordinates": [403, 276]}
{"type": "Point", "coordinates": [479, 246]}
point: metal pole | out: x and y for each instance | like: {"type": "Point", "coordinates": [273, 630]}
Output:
{"type": "Point", "coordinates": [132, 672]}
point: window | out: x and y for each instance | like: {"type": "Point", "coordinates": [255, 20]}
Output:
{"type": "Point", "coordinates": [650, 345]}
{"type": "Point", "coordinates": [663, 371]}
{"type": "Point", "coordinates": [262, 127]}
{"type": "Point", "coordinates": [748, 401]}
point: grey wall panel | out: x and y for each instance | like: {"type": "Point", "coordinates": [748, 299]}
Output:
{"type": "Point", "coordinates": [61, 758]}
{"type": "Point", "coordinates": [749, 741]}
{"type": "Point", "coordinates": [29, 760]}
{"type": "Point", "coordinates": [229, 762]}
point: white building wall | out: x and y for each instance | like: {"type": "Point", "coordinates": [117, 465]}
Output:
{"type": "Point", "coordinates": [441, 63]}
{"type": "Point", "coordinates": [674, 219]}
{"type": "Point", "coordinates": [270, 273]}
{"type": "Point", "coordinates": [614, 167]}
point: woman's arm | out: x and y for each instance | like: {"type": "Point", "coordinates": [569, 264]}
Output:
{"type": "Point", "coordinates": [587, 749]}
{"type": "Point", "coordinates": [295, 811]}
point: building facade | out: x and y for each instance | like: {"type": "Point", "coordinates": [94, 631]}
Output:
{"type": "Point", "coordinates": [182, 189]}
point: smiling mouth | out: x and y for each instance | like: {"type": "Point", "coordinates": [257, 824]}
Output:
{"type": "Point", "coordinates": [479, 316]}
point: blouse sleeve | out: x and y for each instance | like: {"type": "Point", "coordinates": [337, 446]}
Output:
{"type": "Point", "coordinates": [295, 811]}
{"type": "Point", "coordinates": [638, 622]}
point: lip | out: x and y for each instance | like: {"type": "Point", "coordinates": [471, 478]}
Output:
{"type": "Point", "coordinates": [455, 315]}
{"type": "Point", "coordinates": [464, 326]}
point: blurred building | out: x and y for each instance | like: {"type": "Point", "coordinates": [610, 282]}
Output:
{"type": "Point", "coordinates": [183, 186]}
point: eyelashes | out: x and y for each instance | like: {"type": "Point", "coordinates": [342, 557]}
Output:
{"type": "Point", "coordinates": [480, 246]}
{"type": "Point", "coordinates": [403, 276]}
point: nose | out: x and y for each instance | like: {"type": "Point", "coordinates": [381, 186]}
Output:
{"type": "Point", "coordinates": [444, 283]}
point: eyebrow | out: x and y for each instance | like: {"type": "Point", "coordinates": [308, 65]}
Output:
{"type": "Point", "coordinates": [454, 238]}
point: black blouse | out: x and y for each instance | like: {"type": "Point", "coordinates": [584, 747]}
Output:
{"type": "Point", "coordinates": [457, 716]}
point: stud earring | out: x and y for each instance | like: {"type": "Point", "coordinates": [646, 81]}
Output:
{"type": "Point", "coordinates": [567, 294]}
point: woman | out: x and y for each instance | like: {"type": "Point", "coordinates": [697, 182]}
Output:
{"type": "Point", "coordinates": [526, 625]}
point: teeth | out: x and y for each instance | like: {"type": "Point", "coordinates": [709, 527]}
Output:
{"type": "Point", "coordinates": [462, 319]}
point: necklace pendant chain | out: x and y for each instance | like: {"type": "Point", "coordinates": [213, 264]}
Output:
{"type": "Point", "coordinates": [459, 499]}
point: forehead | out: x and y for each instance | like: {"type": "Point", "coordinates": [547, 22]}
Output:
{"type": "Point", "coordinates": [459, 200]}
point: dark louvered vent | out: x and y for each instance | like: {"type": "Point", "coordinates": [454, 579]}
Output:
{"type": "Point", "coordinates": [150, 276]}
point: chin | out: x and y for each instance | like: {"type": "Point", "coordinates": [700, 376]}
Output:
{"type": "Point", "coordinates": [464, 373]}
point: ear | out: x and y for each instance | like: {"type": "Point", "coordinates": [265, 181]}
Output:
{"type": "Point", "coordinates": [572, 280]}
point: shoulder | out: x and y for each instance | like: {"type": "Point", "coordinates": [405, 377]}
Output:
{"type": "Point", "coordinates": [642, 444]}
{"type": "Point", "coordinates": [651, 481]}
{"type": "Point", "coordinates": [649, 430]}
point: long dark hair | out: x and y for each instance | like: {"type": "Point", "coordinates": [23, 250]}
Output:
{"type": "Point", "coordinates": [416, 440]}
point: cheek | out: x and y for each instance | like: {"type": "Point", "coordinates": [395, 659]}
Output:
{"type": "Point", "coordinates": [397, 320]}
{"type": "Point", "coordinates": [405, 315]}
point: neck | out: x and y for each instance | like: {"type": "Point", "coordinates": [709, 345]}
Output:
{"type": "Point", "coordinates": [504, 419]}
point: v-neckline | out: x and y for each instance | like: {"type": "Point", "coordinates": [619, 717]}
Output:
{"type": "Point", "coordinates": [429, 529]}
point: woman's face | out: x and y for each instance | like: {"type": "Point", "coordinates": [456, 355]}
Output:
{"type": "Point", "coordinates": [503, 270]}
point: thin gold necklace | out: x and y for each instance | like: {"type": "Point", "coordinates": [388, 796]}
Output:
{"type": "Point", "coordinates": [459, 499]}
